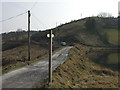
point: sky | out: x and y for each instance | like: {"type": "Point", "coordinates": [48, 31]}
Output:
{"type": "Point", "coordinates": [46, 14]}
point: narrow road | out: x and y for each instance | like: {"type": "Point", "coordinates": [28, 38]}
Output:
{"type": "Point", "coordinates": [28, 76]}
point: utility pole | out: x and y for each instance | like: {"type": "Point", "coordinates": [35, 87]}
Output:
{"type": "Point", "coordinates": [29, 35]}
{"type": "Point", "coordinates": [50, 58]}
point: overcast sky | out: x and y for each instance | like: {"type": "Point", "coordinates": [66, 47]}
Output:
{"type": "Point", "coordinates": [50, 12]}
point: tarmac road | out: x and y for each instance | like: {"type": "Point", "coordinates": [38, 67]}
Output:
{"type": "Point", "coordinates": [28, 76]}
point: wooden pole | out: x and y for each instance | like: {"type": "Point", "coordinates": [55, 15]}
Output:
{"type": "Point", "coordinates": [28, 35]}
{"type": "Point", "coordinates": [50, 58]}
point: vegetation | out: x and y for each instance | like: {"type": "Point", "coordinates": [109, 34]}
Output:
{"type": "Point", "coordinates": [111, 36]}
{"type": "Point", "coordinates": [18, 57]}
{"type": "Point", "coordinates": [87, 31]}
{"type": "Point", "coordinates": [81, 72]}
{"type": "Point", "coordinates": [14, 39]}
{"type": "Point", "coordinates": [91, 25]}
{"type": "Point", "coordinates": [90, 31]}
{"type": "Point", "coordinates": [104, 14]}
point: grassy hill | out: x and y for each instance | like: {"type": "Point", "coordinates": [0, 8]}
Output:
{"type": "Point", "coordinates": [15, 49]}
{"type": "Point", "coordinates": [77, 32]}
{"type": "Point", "coordinates": [111, 35]}
{"type": "Point", "coordinates": [94, 31]}
{"type": "Point", "coordinates": [90, 31]}
{"type": "Point", "coordinates": [14, 39]}
{"type": "Point", "coordinates": [81, 72]}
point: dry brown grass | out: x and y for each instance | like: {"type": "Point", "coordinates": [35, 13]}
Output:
{"type": "Point", "coordinates": [17, 57]}
{"type": "Point", "coordinates": [80, 72]}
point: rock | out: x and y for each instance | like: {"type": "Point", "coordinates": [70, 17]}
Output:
{"type": "Point", "coordinates": [38, 56]}
{"type": "Point", "coordinates": [6, 68]}
{"type": "Point", "coordinates": [72, 78]}
{"type": "Point", "coordinates": [65, 70]}
{"type": "Point", "coordinates": [86, 80]}
{"type": "Point", "coordinates": [81, 60]}
{"type": "Point", "coordinates": [18, 60]}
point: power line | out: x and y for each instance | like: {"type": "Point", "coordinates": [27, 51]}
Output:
{"type": "Point", "coordinates": [13, 17]}
{"type": "Point", "coordinates": [39, 20]}
{"type": "Point", "coordinates": [21, 13]}
{"type": "Point", "coordinates": [34, 4]}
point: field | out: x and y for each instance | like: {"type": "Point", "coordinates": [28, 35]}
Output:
{"type": "Point", "coordinates": [113, 58]}
{"type": "Point", "coordinates": [112, 35]}
{"type": "Point", "coordinates": [17, 57]}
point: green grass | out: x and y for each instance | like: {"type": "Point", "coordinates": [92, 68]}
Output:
{"type": "Point", "coordinates": [113, 58]}
{"type": "Point", "coordinates": [112, 35]}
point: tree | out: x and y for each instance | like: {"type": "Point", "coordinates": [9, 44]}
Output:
{"type": "Point", "coordinates": [90, 25]}
{"type": "Point", "coordinates": [19, 30]}
{"type": "Point", "coordinates": [104, 14]}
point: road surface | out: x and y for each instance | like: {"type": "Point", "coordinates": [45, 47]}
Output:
{"type": "Point", "coordinates": [30, 75]}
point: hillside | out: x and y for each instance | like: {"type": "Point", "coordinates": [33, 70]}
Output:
{"type": "Point", "coordinates": [79, 32]}
{"type": "Point", "coordinates": [94, 31]}
{"type": "Point", "coordinates": [14, 39]}
{"type": "Point", "coordinates": [15, 49]}
{"type": "Point", "coordinates": [81, 72]}
{"type": "Point", "coordinates": [90, 31]}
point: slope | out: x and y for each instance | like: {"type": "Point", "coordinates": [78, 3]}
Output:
{"type": "Point", "coordinates": [81, 72]}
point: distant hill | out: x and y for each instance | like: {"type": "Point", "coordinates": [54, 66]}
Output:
{"type": "Point", "coordinates": [91, 31]}
{"type": "Point", "coordinates": [14, 39]}
{"type": "Point", "coordinates": [103, 32]}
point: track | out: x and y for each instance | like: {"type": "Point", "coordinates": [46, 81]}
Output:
{"type": "Point", "coordinates": [28, 76]}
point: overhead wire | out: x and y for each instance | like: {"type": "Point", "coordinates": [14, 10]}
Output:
{"type": "Point", "coordinates": [20, 14]}
{"type": "Point", "coordinates": [13, 17]}
{"type": "Point", "coordinates": [39, 20]}
{"type": "Point", "coordinates": [25, 13]}
{"type": "Point", "coordinates": [34, 4]}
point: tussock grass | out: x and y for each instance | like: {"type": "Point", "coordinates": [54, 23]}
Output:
{"type": "Point", "coordinates": [16, 59]}
{"type": "Point", "coordinates": [80, 72]}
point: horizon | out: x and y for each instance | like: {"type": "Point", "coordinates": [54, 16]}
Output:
{"type": "Point", "coordinates": [21, 30]}
{"type": "Point", "coordinates": [52, 13]}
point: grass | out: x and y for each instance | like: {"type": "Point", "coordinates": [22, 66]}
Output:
{"type": "Point", "coordinates": [112, 35]}
{"type": "Point", "coordinates": [80, 72]}
{"type": "Point", "coordinates": [20, 64]}
{"type": "Point", "coordinates": [17, 65]}
{"type": "Point", "coordinates": [74, 32]}
{"type": "Point", "coordinates": [17, 57]}
{"type": "Point", "coordinates": [113, 58]}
